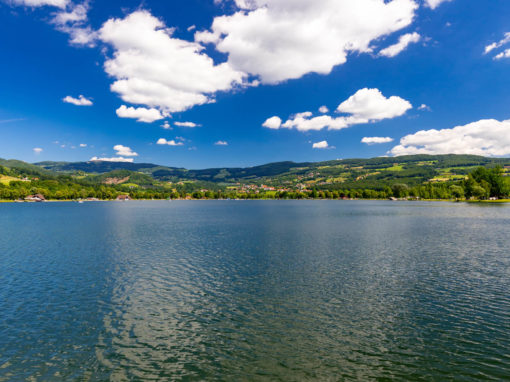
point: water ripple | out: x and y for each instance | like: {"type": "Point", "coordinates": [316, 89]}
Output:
{"type": "Point", "coordinates": [269, 291]}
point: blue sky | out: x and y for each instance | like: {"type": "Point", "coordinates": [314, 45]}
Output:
{"type": "Point", "coordinates": [404, 76]}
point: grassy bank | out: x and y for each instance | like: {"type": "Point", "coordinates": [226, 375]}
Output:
{"type": "Point", "coordinates": [490, 201]}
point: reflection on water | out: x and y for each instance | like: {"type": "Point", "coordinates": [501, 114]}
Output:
{"type": "Point", "coordinates": [298, 290]}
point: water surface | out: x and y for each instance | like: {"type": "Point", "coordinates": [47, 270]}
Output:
{"type": "Point", "coordinates": [254, 290]}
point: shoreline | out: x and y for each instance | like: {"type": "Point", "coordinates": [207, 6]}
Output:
{"type": "Point", "coordinates": [499, 201]}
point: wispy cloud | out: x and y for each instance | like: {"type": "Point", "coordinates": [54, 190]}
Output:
{"type": "Point", "coordinates": [12, 120]}
{"type": "Point", "coordinates": [73, 20]}
{"type": "Point", "coordinates": [186, 124]}
{"type": "Point", "coordinates": [41, 3]}
{"type": "Point", "coordinates": [403, 42]}
{"type": "Point", "coordinates": [376, 140]}
{"type": "Point", "coordinates": [504, 54]}
{"type": "Point", "coordinates": [495, 45]}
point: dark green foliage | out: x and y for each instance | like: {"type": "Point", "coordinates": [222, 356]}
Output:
{"type": "Point", "coordinates": [97, 167]}
{"type": "Point", "coordinates": [17, 167]}
{"type": "Point", "coordinates": [400, 190]}
{"type": "Point", "coordinates": [457, 191]}
{"type": "Point", "coordinates": [483, 183]}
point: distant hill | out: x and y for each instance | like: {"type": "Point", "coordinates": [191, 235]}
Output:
{"type": "Point", "coordinates": [412, 169]}
{"type": "Point", "coordinates": [373, 173]}
{"type": "Point", "coordinates": [164, 172]}
{"type": "Point", "coordinates": [424, 176]}
{"type": "Point", "coordinates": [93, 167]}
{"type": "Point", "coordinates": [23, 167]}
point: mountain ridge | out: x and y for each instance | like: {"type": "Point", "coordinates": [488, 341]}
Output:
{"type": "Point", "coordinates": [105, 166]}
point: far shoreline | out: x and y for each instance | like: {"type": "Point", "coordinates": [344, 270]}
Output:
{"type": "Point", "coordinates": [498, 201]}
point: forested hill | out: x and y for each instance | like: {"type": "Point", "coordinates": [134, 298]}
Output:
{"type": "Point", "coordinates": [419, 176]}
{"type": "Point", "coordinates": [93, 167]}
{"type": "Point", "coordinates": [270, 169]}
{"type": "Point", "coordinates": [158, 172]}
{"type": "Point", "coordinates": [415, 169]}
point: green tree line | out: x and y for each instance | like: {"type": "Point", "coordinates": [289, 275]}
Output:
{"type": "Point", "coordinates": [480, 184]}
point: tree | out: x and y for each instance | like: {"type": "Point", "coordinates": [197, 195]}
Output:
{"type": "Point", "coordinates": [479, 192]}
{"type": "Point", "coordinates": [492, 180]}
{"type": "Point", "coordinates": [457, 191]}
{"type": "Point", "coordinates": [469, 186]}
{"type": "Point", "coordinates": [400, 190]}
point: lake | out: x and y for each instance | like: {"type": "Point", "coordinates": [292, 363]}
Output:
{"type": "Point", "coordinates": [254, 290]}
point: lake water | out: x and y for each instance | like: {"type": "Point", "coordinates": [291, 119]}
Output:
{"type": "Point", "coordinates": [255, 290]}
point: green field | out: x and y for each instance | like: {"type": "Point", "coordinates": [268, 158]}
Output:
{"type": "Point", "coordinates": [6, 180]}
{"type": "Point", "coordinates": [395, 168]}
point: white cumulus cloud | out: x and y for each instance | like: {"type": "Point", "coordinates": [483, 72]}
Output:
{"type": "Point", "coordinates": [163, 141]}
{"type": "Point", "coordinates": [124, 151]}
{"type": "Point", "coordinates": [323, 109]}
{"type": "Point", "coordinates": [424, 107]}
{"type": "Point", "coordinates": [321, 145]}
{"type": "Point", "coordinates": [141, 114]}
{"type": "Point", "coordinates": [403, 42]}
{"type": "Point", "coordinates": [80, 101]}
{"type": "Point", "coordinates": [37, 150]}
{"type": "Point", "coordinates": [370, 104]}
{"type": "Point", "coordinates": [114, 159]}
{"type": "Point", "coordinates": [83, 145]}
{"type": "Point", "coordinates": [166, 126]}
{"type": "Point", "coordinates": [273, 123]}
{"type": "Point", "coordinates": [487, 137]}
{"type": "Point", "coordinates": [221, 143]}
{"type": "Point", "coordinates": [279, 40]}
{"type": "Point", "coordinates": [376, 140]}
{"type": "Point", "coordinates": [366, 105]}
{"type": "Point", "coordinates": [152, 68]}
